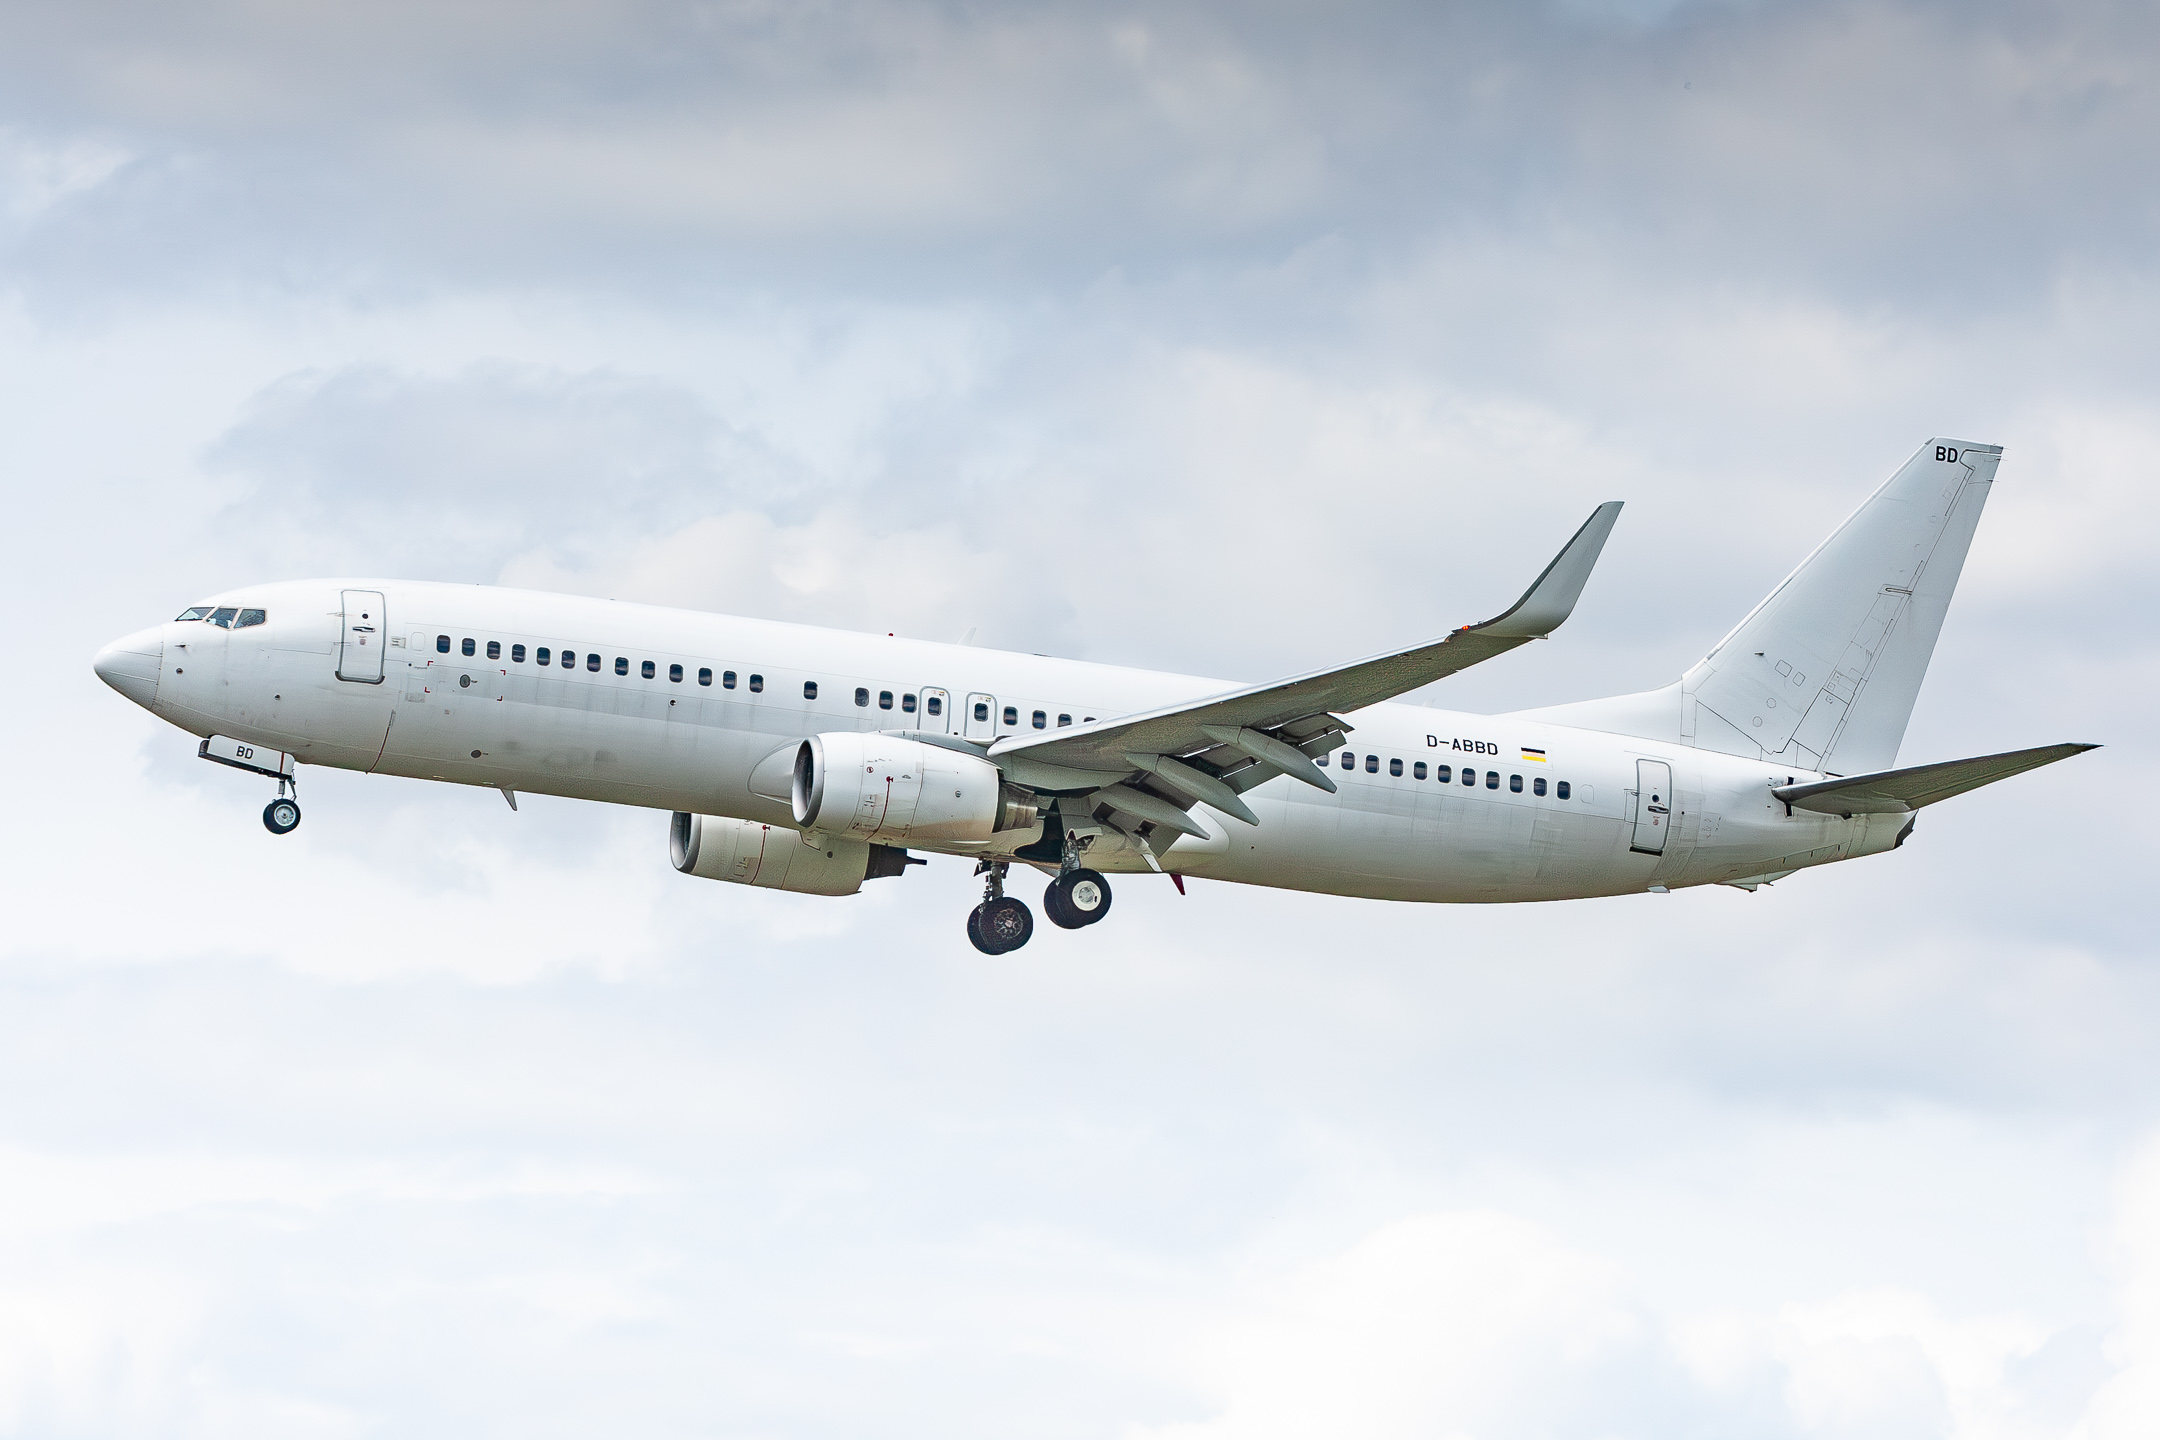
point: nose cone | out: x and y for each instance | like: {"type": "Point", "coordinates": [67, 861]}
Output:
{"type": "Point", "coordinates": [131, 664]}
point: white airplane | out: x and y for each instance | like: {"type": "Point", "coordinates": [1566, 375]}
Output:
{"type": "Point", "coordinates": [812, 760]}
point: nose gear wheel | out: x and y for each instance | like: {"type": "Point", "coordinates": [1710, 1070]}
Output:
{"type": "Point", "coordinates": [281, 816]}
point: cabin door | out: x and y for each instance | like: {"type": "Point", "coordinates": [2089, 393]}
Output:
{"type": "Point", "coordinates": [981, 717]}
{"type": "Point", "coordinates": [1653, 806]}
{"type": "Point", "coordinates": [360, 651]}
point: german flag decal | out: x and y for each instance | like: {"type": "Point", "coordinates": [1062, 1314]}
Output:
{"type": "Point", "coordinates": [1536, 755]}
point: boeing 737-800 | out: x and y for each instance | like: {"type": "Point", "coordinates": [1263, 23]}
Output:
{"type": "Point", "coordinates": [813, 760]}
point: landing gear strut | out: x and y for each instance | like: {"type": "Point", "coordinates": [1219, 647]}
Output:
{"type": "Point", "coordinates": [1000, 923]}
{"type": "Point", "coordinates": [1079, 896]}
{"type": "Point", "coordinates": [282, 815]}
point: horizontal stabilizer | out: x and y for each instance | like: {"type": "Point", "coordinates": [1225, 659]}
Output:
{"type": "Point", "coordinates": [1893, 792]}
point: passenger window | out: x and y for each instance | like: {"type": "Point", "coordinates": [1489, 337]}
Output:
{"type": "Point", "coordinates": [569, 659]}
{"type": "Point", "coordinates": [1372, 764]}
{"type": "Point", "coordinates": [1012, 714]}
{"type": "Point", "coordinates": [193, 612]}
{"type": "Point", "coordinates": [757, 684]}
{"type": "Point", "coordinates": [809, 689]}
{"type": "Point", "coordinates": [1537, 786]}
{"type": "Point", "coordinates": [1469, 776]}
{"type": "Point", "coordinates": [884, 700]}
{"type": "Point", "coordinates": [1445, 774]}
{"type": "Point", "coordinates": [622, 664]}
{"type": "Point", "coordinates": [1492, 779]}
{"type": "Point", "coordinates": [517, 654]}
{"type": "Point", "coordinates": [1514, 783]}
{"type": "Point", "coordinates": [1042, 721]}
{"type": "Point", "coordinates": [704, 675]}
{"type": "Point", "coordinates": [674, 674]}
{"type": "Point", "coordinates": [494, 649]}
{"type": "Point", "coordinates": [982, 711]}
{"type": "Point", "coordinates": [223, 616]}
{"type": "Point", "coordinates": [1349, 761]}
{"type": "Point", "coordinates": [862, 697]}
{"type": "Point", "coordinates": [907, 705]}
{"type": "Point", "coordinates": [648, 670]}
{"type": "Point", "coordinates": [1394, 767]}
{"type": "Point", "coordinates": [592, 662]}
{"type": "Point", "coordinates": [442, 644]}
{"type": "Point", "coordinates": [543, 656]}
{"type": "Point", "coordinates": [1087, 719]}
{"type": "Point", "coordinates": [1562, 792]}
{"type": "Point", "coordinates": [727, 679]}
{"type": "Point", "coordinates": [254, 617]}
{"type": "Point", "coordinates": [1064, 720]}
{"type": "Point", "coordinates": [1417, 771]}
{"type": "Point", "coordinates": [465, 646]}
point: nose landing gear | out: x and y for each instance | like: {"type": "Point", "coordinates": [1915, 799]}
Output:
{"type": "Point", "coordinates": [282, 815]}
{"type": "Point", "coordinates": [1001, 923]}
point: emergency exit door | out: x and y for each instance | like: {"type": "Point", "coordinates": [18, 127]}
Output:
{"type": "Point", "coordinates": [936, 710]}
{"type": "Point", "coordinates": [360, 651]}
{"type": "Point", "coordinates": [1653, 806]}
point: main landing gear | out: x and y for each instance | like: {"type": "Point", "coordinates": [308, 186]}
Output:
{"type": "Point", "coordinates": [1079, 896]}
{"type": "Point", "coordinates": [1076, 898]}
{"type": "Point", "coordinates": [1000, 923]}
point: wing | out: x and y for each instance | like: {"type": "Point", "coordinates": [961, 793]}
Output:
{"type": "Point", "coordinates": [1893, 792]}
{"type": "Point", "coordinates": [1214, 748]}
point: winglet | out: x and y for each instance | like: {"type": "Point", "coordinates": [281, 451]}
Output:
{"type": "Point", "coordinates": [1552, 598]}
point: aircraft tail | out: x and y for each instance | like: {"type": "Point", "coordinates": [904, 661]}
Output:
{"type": "Point", "coordinates": [1823, 674]}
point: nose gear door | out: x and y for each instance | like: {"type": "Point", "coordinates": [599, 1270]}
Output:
{"type": "Point", "coordinates": [360, 651]}
{"type": "Point", "coordinates": [1653, 806]}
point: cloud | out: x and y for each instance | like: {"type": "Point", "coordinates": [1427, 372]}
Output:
{"type": "Point", "coordinates": [1482, 1324]}
{"type": "Point", "coordinates": [2129, 1402]}
{"type": "Point", "coordinates": [1225, 342]}
{"type": "Point", "coordinates": [1907, 152]}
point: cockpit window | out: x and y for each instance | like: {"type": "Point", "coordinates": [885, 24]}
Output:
{"type": "Point", "coordinates": [222, 617]}
{"type": "Point", "coordinates": [249, 617]}
{"type": "Point", "coordinates": [193, 612]}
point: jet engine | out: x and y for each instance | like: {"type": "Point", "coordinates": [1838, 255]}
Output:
{"type": "Point", "coordinates": [880, 787]}
{"type": "Point", "coordinates": [773, 857]}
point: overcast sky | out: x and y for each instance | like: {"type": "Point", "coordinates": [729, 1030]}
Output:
{"type": "Point", "coordinates": [1234, 340]}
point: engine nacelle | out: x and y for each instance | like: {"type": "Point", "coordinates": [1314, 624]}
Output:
{"type": "Point", "coordinates": [773, 857]}
{"type": "Point", "coordinates": [879, 787]}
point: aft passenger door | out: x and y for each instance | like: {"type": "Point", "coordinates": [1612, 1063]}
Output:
{"type": "Point", "coordinates": [1653, 806]}
{"type": "Point", "coordinates": [360, 650]}
{"type": "Point", "coordinates": [936, 711]}
{"type": "Point", "coordinates": [982, 717]}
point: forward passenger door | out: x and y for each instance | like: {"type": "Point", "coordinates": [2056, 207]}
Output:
{"type": "Point", "coordinates": [360, 648]}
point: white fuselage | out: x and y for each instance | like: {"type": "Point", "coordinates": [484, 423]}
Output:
{"type": "Point", "coordinates": [612, 734]}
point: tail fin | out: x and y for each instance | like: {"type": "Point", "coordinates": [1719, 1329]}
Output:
{"type": "Point", "coordinates": [1823, 674]}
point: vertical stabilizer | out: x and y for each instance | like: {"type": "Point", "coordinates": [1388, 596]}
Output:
{"type": "Point", "coordinates": [1823, 674]}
